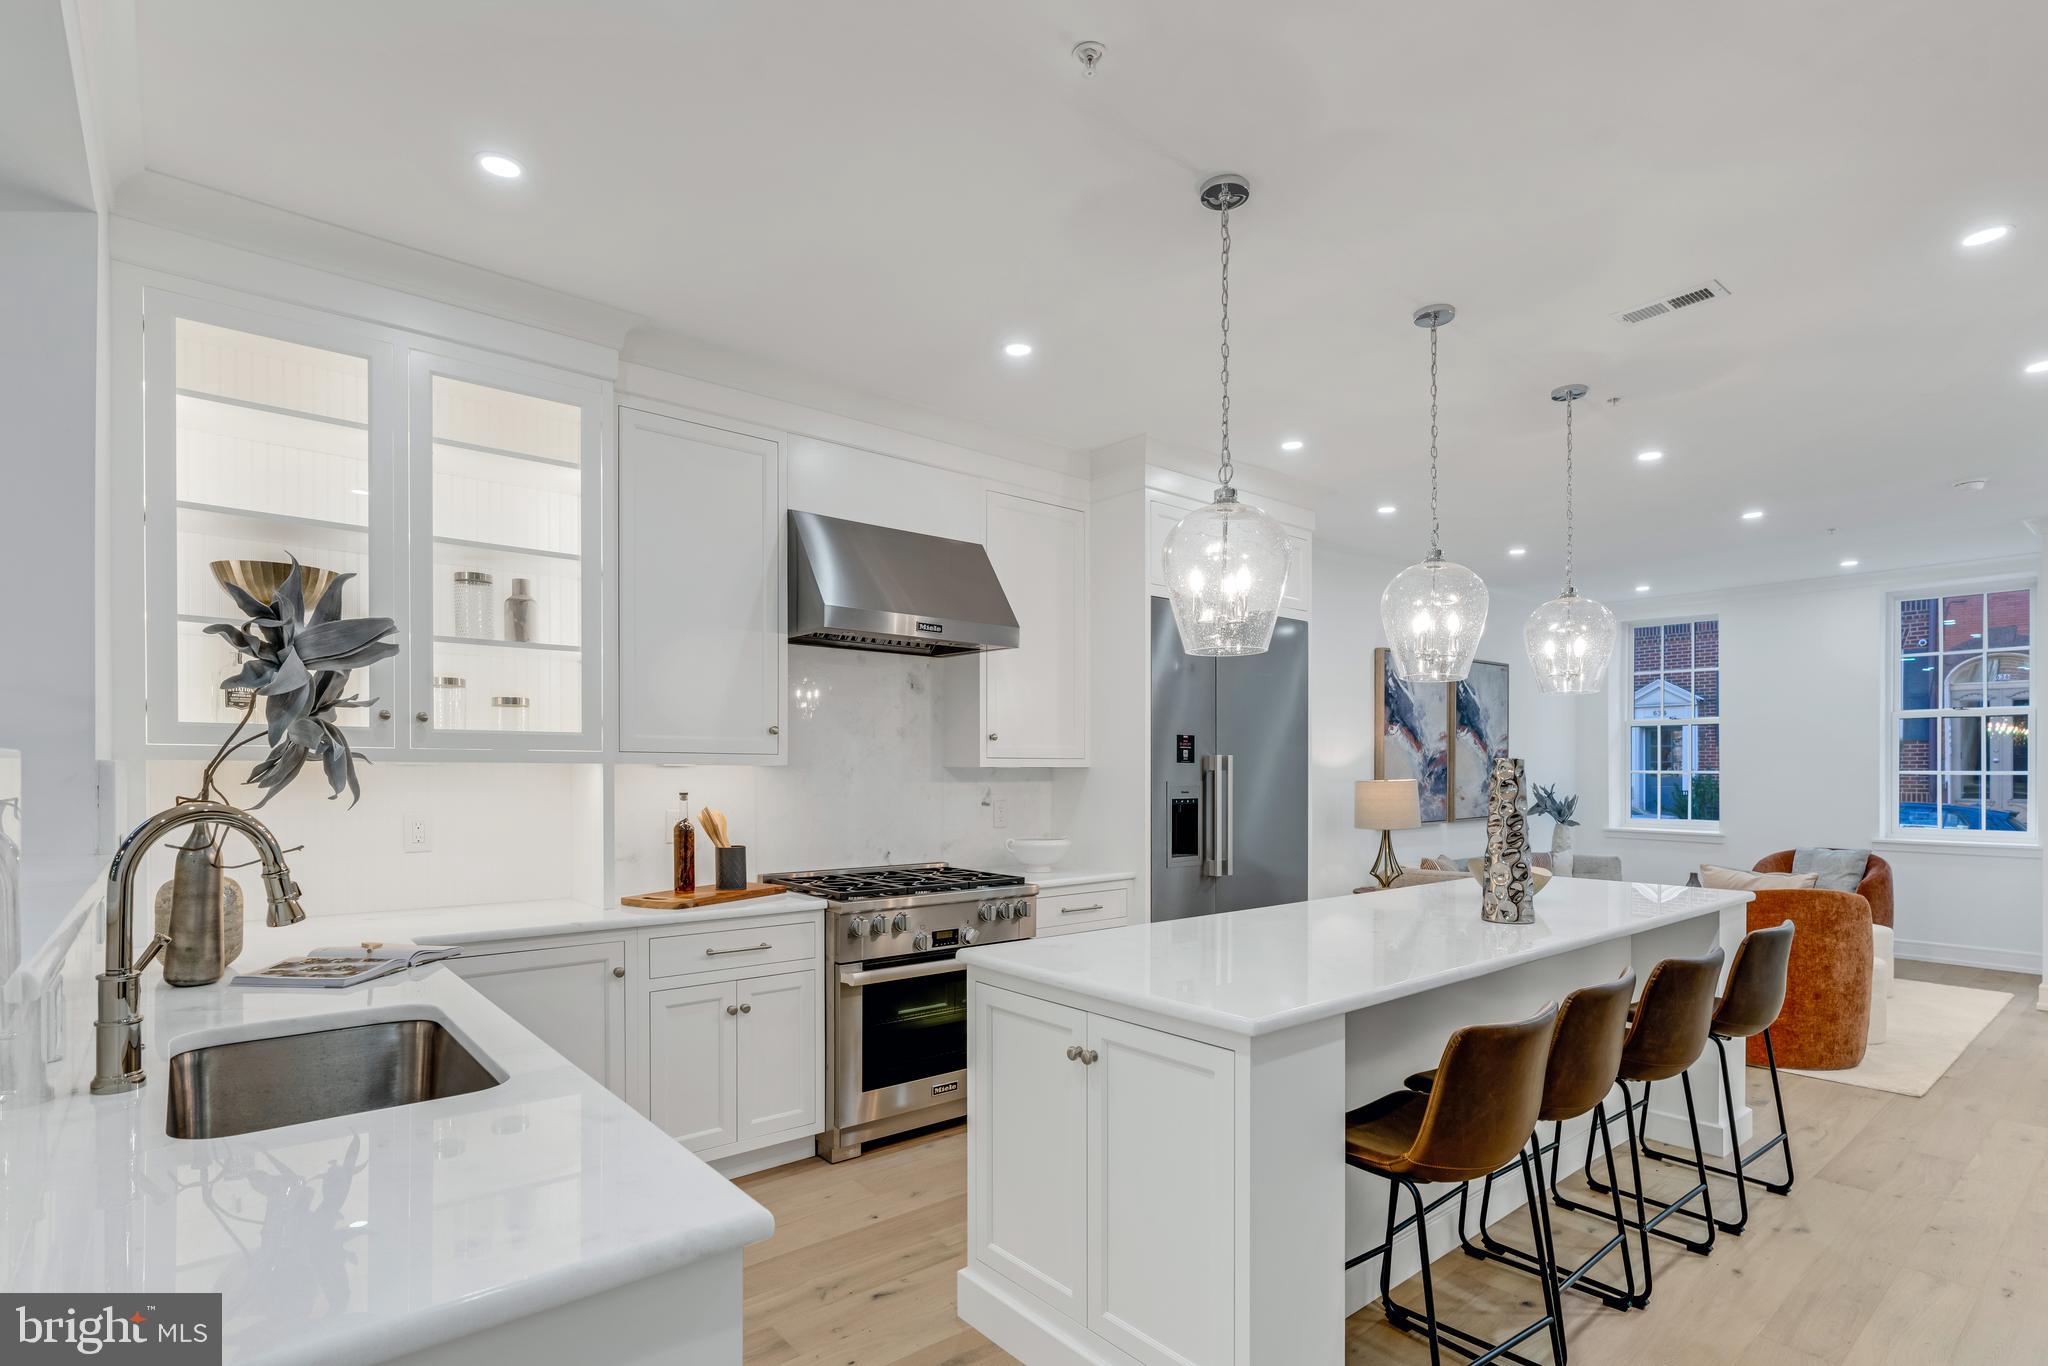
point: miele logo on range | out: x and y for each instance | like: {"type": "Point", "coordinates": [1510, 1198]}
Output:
{"type": "Point", "coordinates": [931, 628]}
{"type": "Point", "coordinates": [171, 1329]}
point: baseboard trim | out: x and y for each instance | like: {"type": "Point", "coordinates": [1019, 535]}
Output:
{"type": "Point", "coordinates": [1966, 956]}
{"type": "Point", "coordinates": [761, 1159]}
{"type": "Point", "coordinates": [1010, 1320]}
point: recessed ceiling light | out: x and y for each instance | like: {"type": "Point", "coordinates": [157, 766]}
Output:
{"type": "Point", "coordinates": [1518, 550]}
{"type": "Point", "coordinates": [1850, 564]}
{"type": "Point", "coordinates": [1986, 236]}
{"type": "Point", "coordinates": [1017, 350]}
{"type": "Point", "coordinates": [503, 167]}
{"type": "Point", "coordinates": [1290, 445]}
{"type": "Point", "coordinates": [1386, 509]}
{"type": "Point", "coordinates": [1642, 588]}
{"type": "Point", "coordinates": [2039, 367]}
{"type": "Point", "coordinates": [1970, 485]}
{"type": "Point", "coordinates": [1754, 514]}
{"type": "Point", "coordinates": [1649, 457]}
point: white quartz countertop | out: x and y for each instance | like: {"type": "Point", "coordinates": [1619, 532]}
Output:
{"type": "Point", "coordinates": [1259, 971]}
{"type": "Point", "coordinates": [366, 1236]}
{"type": "Point", "coordinates": [1059, 878]}
{"type": "Point", "coordinates": [479, 925]}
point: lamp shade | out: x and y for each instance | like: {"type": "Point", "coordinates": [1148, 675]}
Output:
{"type": "Point", "coordinates": [1387, 804]}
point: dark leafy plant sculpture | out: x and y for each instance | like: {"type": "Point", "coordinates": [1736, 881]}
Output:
{"type": "Point", "coordinates": [1559, 809]}
{"type": "Point", "coordinates": [298, 662]}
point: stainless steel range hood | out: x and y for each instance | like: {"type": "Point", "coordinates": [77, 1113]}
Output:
{"type": "Point", "coordinates": [855, 586]}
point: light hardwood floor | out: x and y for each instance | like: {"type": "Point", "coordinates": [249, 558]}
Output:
{"type": "Point", "coordinates": [1917, 1233]}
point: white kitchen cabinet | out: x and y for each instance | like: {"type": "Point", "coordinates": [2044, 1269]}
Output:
{"type": "Point", "coordinates": [1070, 910]}
{"type": "Point", "coordinates": [1080, 1123]}
{"type": "Point", "coordinates": [1028, 707]}
{"type": "Point", "coordinates": [778, 1054]}
{"type": "Point", "coordinates": [692, 1060]}
{"type": "Point", "coordinates": [702, 598]}
{"type": "Point", "coordinates": [571, 996]}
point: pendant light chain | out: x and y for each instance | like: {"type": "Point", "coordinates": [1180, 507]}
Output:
{"type": "Point", "coordinates": [1436, 550]}
{"type": "Point", "coordinates": [1225, 470]}
{"type": "Point", "coordinates": [1568, 589]}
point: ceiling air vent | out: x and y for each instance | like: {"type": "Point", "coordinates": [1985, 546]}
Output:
{"type": "Point", "coordinates": [1699, 294]}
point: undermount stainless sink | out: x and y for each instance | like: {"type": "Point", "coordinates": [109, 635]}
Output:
{"type": "Point", "coordinates": [236, 1088]}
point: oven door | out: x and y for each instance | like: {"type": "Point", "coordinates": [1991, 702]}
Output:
{"type": "Point", "coordinates": [902, 1039]}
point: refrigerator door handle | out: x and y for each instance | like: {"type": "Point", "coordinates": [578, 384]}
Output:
{"type": "Point", "coordinates": [1219, 815]}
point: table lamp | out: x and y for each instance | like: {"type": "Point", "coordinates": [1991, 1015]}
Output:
{"type": "Point", "coordinates": [1387, 805]}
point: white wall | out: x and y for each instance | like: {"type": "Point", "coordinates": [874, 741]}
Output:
{"type": "Point", "coordinates": [499, 832]}
{"type": "Point", "coordinates": [1804, 704]}
{"type": "Point", "coordinates": [49, 348]}
{"type": "Point", "coordinates": [1343, 632]}
{"type": "Point", "coordinates": [866, 783]}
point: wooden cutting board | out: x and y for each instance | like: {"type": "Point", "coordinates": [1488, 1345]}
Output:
{"type": "Point", "coordinates": [703, 896]}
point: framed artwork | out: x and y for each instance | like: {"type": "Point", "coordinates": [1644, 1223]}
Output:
{"type": "Point", "coordinates": [1411, 735]}
{"type": "Point", "coordinates": [1479, 735]}
{"type": "Point", "coordinates": [1443, 735]}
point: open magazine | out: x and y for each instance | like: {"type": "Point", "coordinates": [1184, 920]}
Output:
{"type": "Point", "coordinates": [343, 967]}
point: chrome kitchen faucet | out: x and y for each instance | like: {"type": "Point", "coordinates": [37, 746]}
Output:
{"type": "Point", "coordinates": [117, 1028]}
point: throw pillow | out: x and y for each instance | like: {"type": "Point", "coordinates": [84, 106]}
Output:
{"type": "Point", "coordinates": [1839, 870]}
{"type": "Point", "coordinates": [1743, 880]}
{"type": "Point", "coordinates": [1539, 878]}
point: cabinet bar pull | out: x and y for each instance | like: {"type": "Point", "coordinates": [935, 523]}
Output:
{"type": "Point", "coordinates": [1072, 910]}
{"type": "Point", "coordinates": [749, 948]}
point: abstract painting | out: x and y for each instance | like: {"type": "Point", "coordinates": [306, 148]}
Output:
{"type": "Point", "coordinates": [1411, 736]}
{"type": "Point", "coordinates": [1479, 710]}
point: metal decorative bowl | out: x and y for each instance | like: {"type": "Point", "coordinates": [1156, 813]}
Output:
{"type": "Point", "coordinates": [261, 579]}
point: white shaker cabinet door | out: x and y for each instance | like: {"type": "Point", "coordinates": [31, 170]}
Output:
{"type": "Point", "coordinates": [778, 1054]}
{"type": "Point", "coordinates": [1161, 1145]}
{"type": "Point", "coordinates": [701, 598]}
{"type": "Point", "coordinates": [1028, 1137]}
{"type": "Point", "coordinates": [1035, 699]}
{"type": "Point", "coordinates": [692, 1043]}
{"type": "Point", "coordinates": [573, 998]}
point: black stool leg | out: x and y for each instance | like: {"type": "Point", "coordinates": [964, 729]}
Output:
{"type": "Point", "coordinates": [1739, 1171]}
{"type": "Point", "coordinates": [1784, 1133]}
{"type": "Point", "coordinates": [1469, 1345]}
{"type": "Point", "coordinates": [1546, 1248]}
{"type": "Point", "coordinates": [1628, 1274]}
{"type": "Point", "coordinates": [1741, 1221]}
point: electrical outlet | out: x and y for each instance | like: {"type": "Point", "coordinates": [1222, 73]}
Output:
{"type": "Point", "coordinates": [1002, 813]}
{"type": "Point", "coordinates": [416, 835]}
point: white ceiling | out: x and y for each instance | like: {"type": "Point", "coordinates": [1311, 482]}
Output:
{"type": "Point", "coordinates": [880, 194]}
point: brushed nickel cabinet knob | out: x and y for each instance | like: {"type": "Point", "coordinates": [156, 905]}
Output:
{"type": "Point", "coordinates": [384, 715]}
{"type": "Point", "coordinates": [421, 717]}
{"type": "Point", "coordinates": [775, 730]}
{"type": "Point", "coordinates": [991, 735]}
{"type": "Point", "coordinates": [747, 1009]}
{"type": "Point", "coordinates": [618, 972]}
{"type": "Point", "coordinates": [732, 1010]}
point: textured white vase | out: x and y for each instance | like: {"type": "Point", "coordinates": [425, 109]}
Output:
{"type": "Point", "coordinates": [1561, 850]}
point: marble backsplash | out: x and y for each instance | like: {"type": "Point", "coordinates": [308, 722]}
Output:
{"type": "Point", "coordinates": [866, 782]}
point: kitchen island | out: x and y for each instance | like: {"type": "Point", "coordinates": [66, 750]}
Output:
{"type": "Point", "coordinates": [1155, 1113]}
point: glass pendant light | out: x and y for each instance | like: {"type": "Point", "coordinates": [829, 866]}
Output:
{"type": "Point", "coordinates": [1434, 612]}
{"type": "Point", "coordinates": [1226, 564]}
{"type": "Point", "coordinates": [1570, 638]}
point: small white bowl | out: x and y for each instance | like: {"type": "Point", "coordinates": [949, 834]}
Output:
{"type": "Point", "coordinates": [1037, 856]}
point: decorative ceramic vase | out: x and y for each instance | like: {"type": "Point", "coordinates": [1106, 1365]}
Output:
{"type": "Point", "coordinates": [1561, 850]}
{"type": "Point", "coordinates": [1504, 893]}
{"type": "Point", "coordinates": [200, 911]}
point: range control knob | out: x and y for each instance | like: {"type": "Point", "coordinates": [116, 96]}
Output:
{"type": "Point", "coordinates": [900, 923]}
{"type": "Point", "coordinates": [967, 934]}
{"type": "Point", "coordinates": [987, 911]}
{"type": "Point", "coordinates": [920, 942]}
{"type": "Point", "coordinates": [1019, 909]}
{"type": "Point", "coordinates": [856, 926]}
{"type": "Point", "coordinates": [875, 927]}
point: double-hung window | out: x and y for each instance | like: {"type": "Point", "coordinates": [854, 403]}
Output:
{"type": "Point", "coordinates": [1962, 707]}
{"type": "Point", "coordinates": [1674, 722]}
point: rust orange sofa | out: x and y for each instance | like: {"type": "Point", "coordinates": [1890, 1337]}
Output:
{"type": "Point", "coordinates": [1876, 887]}
{"type": "Point", "coordinates": [1825, 1024]}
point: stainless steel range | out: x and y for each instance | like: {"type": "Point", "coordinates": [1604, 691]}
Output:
{"type": "Point", "coordinates": [896, 1002]}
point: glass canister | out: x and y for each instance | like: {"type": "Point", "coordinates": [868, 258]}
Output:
{"type": "Point", "coordinates": [511, 712]}
{"type": "Point", "coordinates": [472, 604]}
{"type": "Point", "coordinates": [451, 703]}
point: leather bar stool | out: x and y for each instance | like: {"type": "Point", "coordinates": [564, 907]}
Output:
{"type": "Point", "coordinates": [1585, 1060]}
{"type": "Point", "coordinates": [1667, 1032]}
{"type": "Point", "coordinates": [1755, 994]}
{"type": "Point", "coordinates": [1474, 1121]}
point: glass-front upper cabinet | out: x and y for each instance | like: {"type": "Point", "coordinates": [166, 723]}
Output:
{"type": "Point", "coordinates": [505, 526]}
{"type": "Point", "coordinates": [267, 438]}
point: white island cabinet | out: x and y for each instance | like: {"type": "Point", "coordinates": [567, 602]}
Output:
{"type": "Point", "coordinates": [1156, 1164]}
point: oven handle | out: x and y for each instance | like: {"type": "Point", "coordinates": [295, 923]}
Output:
{"type": "Point", "coordinates": [901, 973]}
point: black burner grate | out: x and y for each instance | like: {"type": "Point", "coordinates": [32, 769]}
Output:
{"type": "Point", "coordinates": [871, 883]}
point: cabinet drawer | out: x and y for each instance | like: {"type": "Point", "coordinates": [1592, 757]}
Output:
{"type": "Point", "coordinates": [1083, 909]}
{"type": "Point", "coordinates": [673, 955]}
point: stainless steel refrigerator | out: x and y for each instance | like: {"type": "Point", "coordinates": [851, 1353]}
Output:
{"type": "Point", "coordinates": [1229, 774]}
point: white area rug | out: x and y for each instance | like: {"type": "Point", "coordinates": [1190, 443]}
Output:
{"type": "Point", "coordinates": [1931, 1025]}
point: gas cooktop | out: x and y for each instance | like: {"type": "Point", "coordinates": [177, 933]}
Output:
{"type": "Point", "coordinates": [891, 880]}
